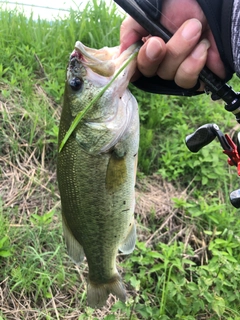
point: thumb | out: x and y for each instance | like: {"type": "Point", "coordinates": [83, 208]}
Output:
{"type": "Point", "coordinates": [130, 32]}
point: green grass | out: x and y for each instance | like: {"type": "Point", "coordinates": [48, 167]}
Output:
{"type": "Point", "coordinates": [186, 262]}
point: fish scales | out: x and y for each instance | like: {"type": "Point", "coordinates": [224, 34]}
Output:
{"type": "Point", "coordinates": [96, 169]}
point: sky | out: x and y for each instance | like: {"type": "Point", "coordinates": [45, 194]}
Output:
{"type": "Point", "coordinates": [52, 8]}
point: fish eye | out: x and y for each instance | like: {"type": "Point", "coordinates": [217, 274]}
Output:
{"type": "Point", "coordinates": [76, 84]}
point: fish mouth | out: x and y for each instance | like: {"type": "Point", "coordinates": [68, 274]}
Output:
{"type": "Point", "coordinates": [106, 61]}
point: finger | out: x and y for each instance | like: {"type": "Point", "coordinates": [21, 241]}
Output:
{"type": "Point", "coordinates": [130, 32]}
{"type": "Point", "coordinates": [150, 56]}
{"type": "Point", "coordinates": [188, 72]}
{"type": "Point", "coordinates": [214, 62]}
{"type": "Point", "coordinates": [179, 47]}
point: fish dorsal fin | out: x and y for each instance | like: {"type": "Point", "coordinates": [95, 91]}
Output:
{"type": "Point", "coordinates": [128, 245]}
{"type": "Point", "coordinates": [75, 250]}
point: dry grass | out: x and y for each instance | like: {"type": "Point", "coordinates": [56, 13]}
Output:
{"type": "Point", "coordinates": [155, 197]}
{"type": "Point", "coordinates": [26, 178]}
{"type": "Point", "coordinates": [28, 186]}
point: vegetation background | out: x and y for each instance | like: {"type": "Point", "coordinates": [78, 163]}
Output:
{"type": "Point", "coordinates": [186, 261]}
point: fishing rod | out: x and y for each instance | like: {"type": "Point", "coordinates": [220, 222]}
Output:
{"type": "Point", "coordinates": [218, 88]}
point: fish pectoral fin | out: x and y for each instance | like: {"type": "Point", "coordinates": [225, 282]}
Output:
{"type": "Point", "coordinates": [128, 245]}
{"type": "Point", "coordinates": [97, 294]}
{"type": "Point", "coordinates": [116, 173]}
{"type": "Point", "coordinates": [75, 250]}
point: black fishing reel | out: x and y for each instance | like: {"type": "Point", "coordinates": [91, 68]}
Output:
{"type": "Point", "coordinates": [205, 135]}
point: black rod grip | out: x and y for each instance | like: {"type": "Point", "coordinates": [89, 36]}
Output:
{"type": "Point", "coordinates": [200, 138]}
{"type": "Point", "coordinates": [214, 84]}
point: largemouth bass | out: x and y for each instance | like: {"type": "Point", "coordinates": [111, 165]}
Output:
{"type": "Point", "coordinates": [96, 168]}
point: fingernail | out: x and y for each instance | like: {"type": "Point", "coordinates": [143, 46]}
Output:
{"type": "Point", "coordinates": [192, 28]}
{"type": "Point", "coordinates": [153, 49]}
{"type": "Point", "coordinates": [201, 49]}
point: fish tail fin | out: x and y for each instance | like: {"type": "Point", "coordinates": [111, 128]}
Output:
{"type": "Point", "coordinates": [98, 293]}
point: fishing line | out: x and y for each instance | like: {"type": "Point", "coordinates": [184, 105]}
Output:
{"type": "Point", "coordinates": [161, 13]}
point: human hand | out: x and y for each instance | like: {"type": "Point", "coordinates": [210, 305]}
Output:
{"type": "Point", "coordinates": [184, 56]}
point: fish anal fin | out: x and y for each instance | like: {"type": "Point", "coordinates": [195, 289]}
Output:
{"type": "Point", "coordinates": [75, 250]}
{"type": "Point", "coordinates": [128, 245]}
{"type": "Point", "coordinates": [97, 294]}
